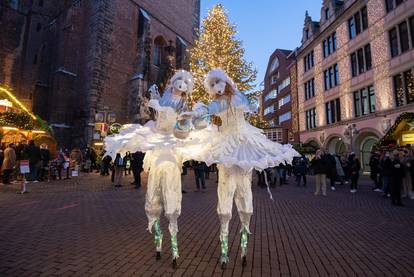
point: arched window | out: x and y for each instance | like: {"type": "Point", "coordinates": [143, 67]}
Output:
{"type": "Point", "coordinates": [275, 64]}
{"type": "Point", "coordinates": [159, 45]}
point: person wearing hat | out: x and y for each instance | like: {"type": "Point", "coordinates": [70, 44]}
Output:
{"type": "Point", "coordinates": [161, 140]}
{"type": "Point", "coordinates": [238, 148]}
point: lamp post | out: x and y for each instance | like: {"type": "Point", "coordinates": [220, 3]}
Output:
{"type": "Point", "coordinates": [350, 131]}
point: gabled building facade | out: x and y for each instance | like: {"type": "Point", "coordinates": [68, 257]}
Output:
{"type": "Point", "coordinates": [355, 73]}
{"type": "Point", "coordinates": [276, 106]}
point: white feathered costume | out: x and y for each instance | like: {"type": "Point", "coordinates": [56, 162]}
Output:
{"type": "Point", "coordinates": [238, 148]}
{"type": "Point", "coordinates": [163, 160]}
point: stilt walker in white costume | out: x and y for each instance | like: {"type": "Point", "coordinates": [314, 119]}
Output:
{"type": "Point", "coordinates": [238, 148]}
{"type": "Point", "coordinates": [162, 160]}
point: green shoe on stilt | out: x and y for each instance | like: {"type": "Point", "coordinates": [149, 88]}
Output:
{"type": "Point", "coordinates": [224, 258]}
{"type": "Point", "coordinates": [158, 238]}
{"type": "Point", "coordinates": [174, 250]}
{"type": "Point", "coordinates": [244, 239]}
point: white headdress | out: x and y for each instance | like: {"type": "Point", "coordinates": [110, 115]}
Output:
{"type": "Point", "coordinates": [218, 73]}
{"type": "Point", "coordinates": [184, 76]}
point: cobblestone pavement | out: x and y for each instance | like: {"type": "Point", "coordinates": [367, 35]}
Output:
{"type": "Point", "coordinates": [84, 227]}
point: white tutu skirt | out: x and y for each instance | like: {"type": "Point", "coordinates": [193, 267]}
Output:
{"type": "Point", "coordinates": [135, 137]}
{"type": "Point", "coordinates": [247, 148]}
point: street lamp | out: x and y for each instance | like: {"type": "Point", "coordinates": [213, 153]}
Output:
{"type": "Point", "coordinates": [351, 131]}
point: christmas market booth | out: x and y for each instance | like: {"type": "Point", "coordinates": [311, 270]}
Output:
{"type": "Point", "coordinates": [401, 133]}
{"type": "Point", "coordinates": [19, 125]}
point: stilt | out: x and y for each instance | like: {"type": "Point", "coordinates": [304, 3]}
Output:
{"type": "Point", "coordinates": [174, 250]}
{"type": "Point", "coordinates": [158, 238]}
{"type": "Point", "coordinates": [224, 258]}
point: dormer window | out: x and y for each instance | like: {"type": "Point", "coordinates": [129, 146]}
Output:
{"type": "Point", "coordinates": [327, 13]}
{"type": "Point", "coordinates": [307, 33]}
{"type": "Point", "coordinates": [275, 64]}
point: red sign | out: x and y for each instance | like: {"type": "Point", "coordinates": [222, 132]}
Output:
{"type": "Point", "coordinates": [24, 166]}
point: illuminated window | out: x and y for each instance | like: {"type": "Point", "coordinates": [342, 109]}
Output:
{"type": "Point", "coordinates": [404, 88]}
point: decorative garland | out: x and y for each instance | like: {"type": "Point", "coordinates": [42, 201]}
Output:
{"type": "Point", "coordinates": [387, 140]}
{"type": "Point", "coordinates": [22, 121]}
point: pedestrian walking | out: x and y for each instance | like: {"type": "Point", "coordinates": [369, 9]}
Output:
{"type": "Point", "coordinates": [76, 158]}
{"type": "Point", "coordinates": [119, 165]}
{"type": "Point", "coordinates": [397, 175]}
{"type": "Point", "coordinates": [45, 159]}
{"type": "Point", "coordinates": [1, 157]}
{"type": "Point", "coordinates": [407, 161]}
{"type": "Point", "coordinates": [137, 160]}
{"type": "Point", "coordinates": [300, 168]}
{"type": "Point", "coordinates": [34, 155]}
{"type": "Point", "coordinates": [9, 162]}
{"type": "Point", "coordinates": [332, 175]}
{"type": "Point", "coordinates": [340, 173]}
{"type": "Point", "coordinates": [199, 170]}
{"type": "Point", "coordinates": [354, 167]}
{"type": "Point", "coordinates": [106, 164]}
{"type": "Point", "coordinates": [127, 160]}
{"type": "Point", "coordinates": [374, 164]}
{"type": "Point", "coordinates": [319, 168]}
{"type": "Point", "coordinates": [260, 178]}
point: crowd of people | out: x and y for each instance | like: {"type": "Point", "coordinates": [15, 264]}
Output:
{"type": "Point", "coordinates": [391, 171]}
{"type": "Point", "coordinates": [43, 166]}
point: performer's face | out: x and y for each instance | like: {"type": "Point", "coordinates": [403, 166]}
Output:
{"type": "Point", "coordinates": [180, 85]}
{"type": "Point", "coordinates": [218, 86]}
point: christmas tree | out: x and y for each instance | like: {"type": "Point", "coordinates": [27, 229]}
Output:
{"type": "Point", "coordinates": [217, 47]}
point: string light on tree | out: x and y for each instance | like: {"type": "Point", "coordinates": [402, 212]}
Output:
{"type": "Point", "coordinates": [217, 47]}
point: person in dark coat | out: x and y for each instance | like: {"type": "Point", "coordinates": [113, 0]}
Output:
{"type": "Point", "coordinates": [199, 174]}
{"type": "Point", "coordinates": [332, 175]}
{"type": "Point", "coordinates": [118, 170]}
{"type": "Point", "coordinates": [45, 157]}
{"type": "Point", "coordinates": [397, 175]}
{"type": "Point", "coordinates": [106, 165]}
{"type": "Point", "coordinates": [320, 169]}
{"type": "Point", "coordinates": [374, 164]}
{"type": "Point", "coordinates": [386, 171]}
{"type": "Point", "coordinates": [260, 178]}
{"type": "Point", "coordinates": [137, 161]}
{"type": "Point", "coordinates": [354, 167]}
{"type": "Point", "coordinates": [34, 156]}
{"type": "Point", "coordinates": [300, 168]}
